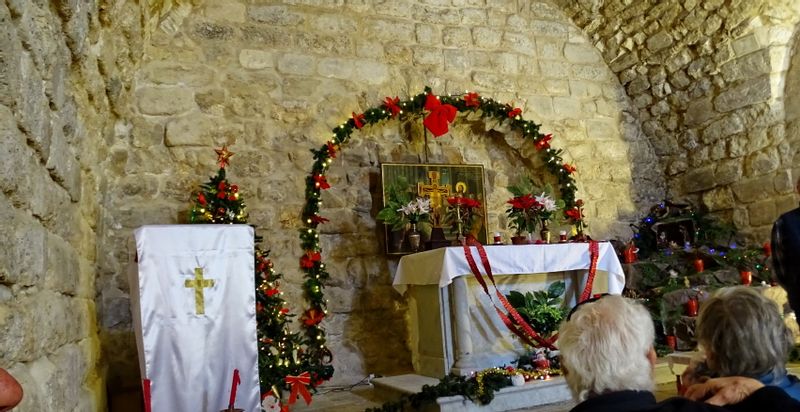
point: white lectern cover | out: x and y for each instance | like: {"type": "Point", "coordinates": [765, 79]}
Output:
{"type": "Point", "coordinates": [195, 318]}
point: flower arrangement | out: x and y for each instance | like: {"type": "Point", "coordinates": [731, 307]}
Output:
{"type": "Point", "coordinates": [575, 217]}
{"type": "Point", "coordinates": [462, 213]}
{"type": "Point", "coordinates": [528, 210]}
{"type": "Point", "coordinates": [417, 210]}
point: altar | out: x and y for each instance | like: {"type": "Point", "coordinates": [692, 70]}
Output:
{"type": "Point", "coordinates": [453, 326]}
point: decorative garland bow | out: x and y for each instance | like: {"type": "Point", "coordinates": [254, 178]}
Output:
{"type": "Point", "coordinates": [298, 384]}
{"type": "Point", "coordinates": [438, 121]}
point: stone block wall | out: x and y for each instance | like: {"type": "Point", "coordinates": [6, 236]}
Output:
{"type": "Point", "coordinates": [65, 67]}
{"type": "Point", "coordinates": [271, 79]}
{"type": "Point", "coordinates": [707, 79]}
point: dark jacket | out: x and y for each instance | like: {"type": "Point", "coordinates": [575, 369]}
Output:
{"type": "Point", "coordinates": [766, 399]}
{"type": "Point", "coordinates": [786, 255]}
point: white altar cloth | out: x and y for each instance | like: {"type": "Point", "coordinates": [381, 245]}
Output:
{"type": "Point", "coordinates": [441, 266]}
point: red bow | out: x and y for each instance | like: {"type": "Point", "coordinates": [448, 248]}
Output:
{"type": "Point", "coordinates": [321, 182]}
{"type": "Point", "coordinates": [514, 112]}
{"type": "Point", "coordinates": [358, 120]}
{"type": "Point", "coordinates": [472, 100]}
{"type": "Point", "coordinates": [544, 142]}
{"type": "Point", "coordinates": [307, 261]}
{"type": "Point", "coordinates": [391, 105]}
{"type": "Point", "coordinates": [438, 121]}
{"type": "Point", "coordinates": [298, 384]}
{"type": "Point", "coordinates": [272, 292]}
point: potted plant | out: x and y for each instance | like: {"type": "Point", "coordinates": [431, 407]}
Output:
{"type": "Point", "coordinates": [397, 196]}
{"type": "Point", "coordinates": [528, 211]}
{"type": "Point", "coordinates": [416, 211]}
{"type": "Point", "coordinates": [542, 309]}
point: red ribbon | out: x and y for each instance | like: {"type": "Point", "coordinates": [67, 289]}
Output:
{"type": "Point", "coordinates": [148, 402]}
{"type": "Point", "coordinates": [438, 121]}
{"type": "Point", "coordinates": [594, 253]}
{"type": "Point", "coordinates": [298, 384]}
{"type": "Point", "coordinates": [519, 327]}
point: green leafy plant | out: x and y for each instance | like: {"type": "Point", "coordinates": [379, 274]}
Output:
{"type": "Point", "coordinates": [543, 309]}
{"type": "Point", "coordinates": [398, 195]}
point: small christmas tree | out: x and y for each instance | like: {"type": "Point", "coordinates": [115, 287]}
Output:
{"type": "Point", "coordinates": [279, 351]}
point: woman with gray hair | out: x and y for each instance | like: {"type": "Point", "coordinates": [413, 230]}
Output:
{"type": "Point", "coordinates": [742, 333]}
{"type": "Point", "coordinates": [607, 355]}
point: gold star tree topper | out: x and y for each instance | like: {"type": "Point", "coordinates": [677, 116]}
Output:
{"type": "Point", "coordinates": [223, 155]}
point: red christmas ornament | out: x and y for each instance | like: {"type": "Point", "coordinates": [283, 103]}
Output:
{"type": "Point", "coordinates": [672, 342]}
{"type": "Point", "coordinates": [691, 307]}
{"type": "Point", "coordinates": [321, 182]}
{"type": "Point", "coordinates": [201, 198]}
{"type": "Point", "coordinates": [221, 186]}
{"type": "Point", "coordinates": [699, 265]}
{"type": "Point", "coordinates": [746, 276]}
{"type": "Point", "coordinates": [221, 195]}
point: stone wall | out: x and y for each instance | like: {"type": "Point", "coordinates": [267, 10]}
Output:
{"type": "Point", "coordinates": [707, 78]}
{"type": "Point", "coordinates": [65, 68]}
{"type": "Point", "coordinates": [271, 80]}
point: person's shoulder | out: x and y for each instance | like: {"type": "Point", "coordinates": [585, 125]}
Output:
{"type": "Point", "coordinates": [680, 404]}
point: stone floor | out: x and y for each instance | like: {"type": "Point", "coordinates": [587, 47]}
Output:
{"type": "Point", "coordinates": [360, 398]}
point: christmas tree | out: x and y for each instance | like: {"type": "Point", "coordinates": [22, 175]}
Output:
{"type": "Point", "coordinates": [281, 356]}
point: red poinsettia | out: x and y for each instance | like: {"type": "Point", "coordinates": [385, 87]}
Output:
{"type": "Point", "coordinates": [358, 120]}
{"type": "Point", "coordinates": [514, 112]}
{"type": "Point", "coordinates": [317, 219]}
{"type": "Point", "coordinates": [523, 202]}
{"type": "Point", "coordinates": [544, 142]}
{"type": "Point", "coordinates": [321, 182]}
{"type": "Point", "coordinates": [391, 105]}
{"type": "Point", "coordinates": [570, 169]}
{"type": "Point", "coordinates": [331, 150]}
{"type": "Point", "coordinates": [472, 100]}
{"type": "Point", "coordinates": [308, 260]}
{"type": "Point", "coordinates": [573, 214]}
{"type": "Point", "coordinates": [313, 317]}
{"type": "Point", "coordinates": [463, 202]}
{"type": "Point", "coordinates": [440, 117]}
{"type": "Point", "coordinates": [272, 292]}
{"type": "Point", "coordinates": [284, 311]}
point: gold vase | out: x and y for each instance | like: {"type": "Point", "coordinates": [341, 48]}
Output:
{"type": "Point", "coordinates": [544, 234]}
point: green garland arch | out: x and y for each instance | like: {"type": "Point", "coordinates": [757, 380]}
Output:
{"type": "Point", "coordinates": [393, 108]}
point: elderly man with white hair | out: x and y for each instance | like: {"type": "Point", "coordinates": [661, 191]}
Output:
{"type": "Point", "coordinates": [607, 355]}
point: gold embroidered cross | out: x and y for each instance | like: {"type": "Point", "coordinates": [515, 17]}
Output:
{"type": "Point", "coordinates": [198, 283]}
{"type": "Point", "coordinates": [433, 190]}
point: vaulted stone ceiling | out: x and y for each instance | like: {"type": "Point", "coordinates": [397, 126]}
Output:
{"type": "Point", "coordinates": [707, 78]}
